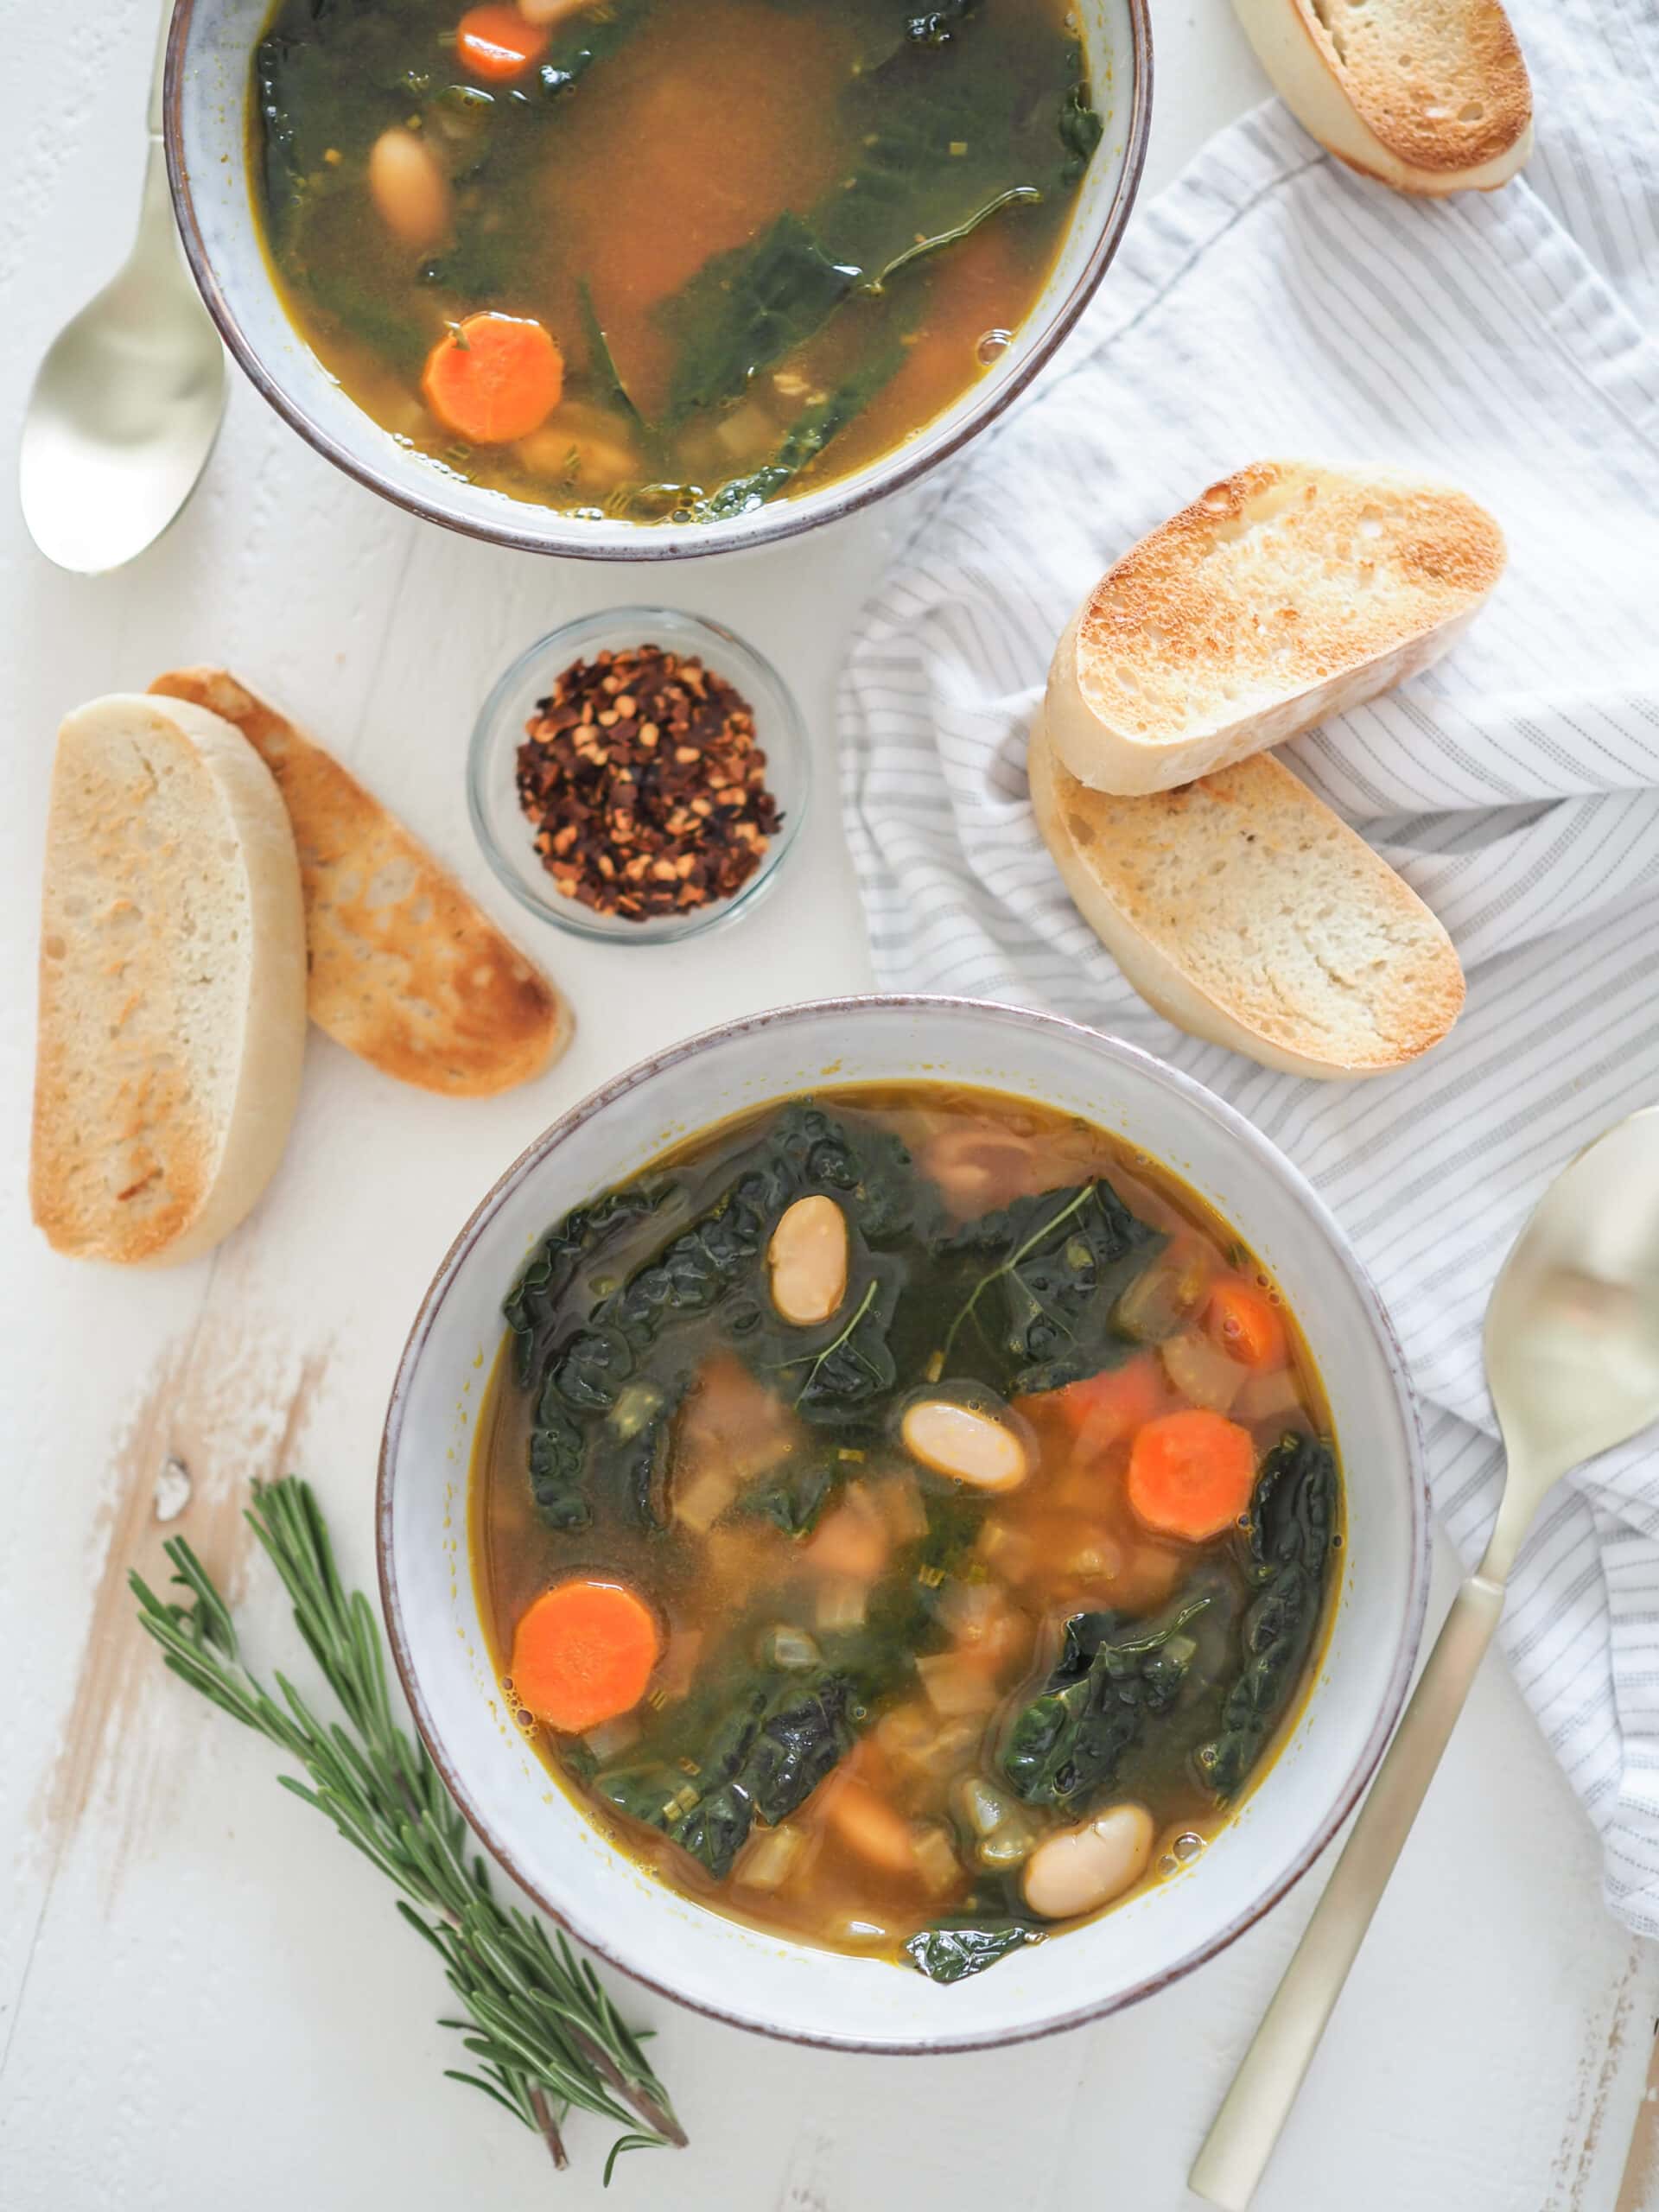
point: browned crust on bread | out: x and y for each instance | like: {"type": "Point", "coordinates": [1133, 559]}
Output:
{"type": "Point", "coordinates": [160, 1197]}
{"type": "Point", "coordinates": [1157, 607]}
{"type": "Point", "coordinates": [1442, 84]}
{"type": "Point", "coordinates": [405, 968]}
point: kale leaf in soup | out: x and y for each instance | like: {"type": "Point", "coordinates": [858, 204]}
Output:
{"type": "Point", "coordinates": [898, 1663]}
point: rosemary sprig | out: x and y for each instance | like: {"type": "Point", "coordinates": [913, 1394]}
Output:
{"type": "Point", "coordinates": [545, 2034]}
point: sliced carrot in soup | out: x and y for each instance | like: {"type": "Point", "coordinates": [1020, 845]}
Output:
{"type": "Point", "coordinates": [583, 1652]}
{"type": "Point", "coordinates": [1190, 1473]}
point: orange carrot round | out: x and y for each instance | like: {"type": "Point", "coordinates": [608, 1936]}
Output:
{"type": "Point", "coordinates": [1103, 1408]}
{"type": "Point", "coordinates": [493, 378]}
{"type": "Point", "coordinates": [1246, 1324]}
{"type": "Point", "coordinates": [1191, 1474]}
{"type": "Point", "coordinates": [498, 44]}
{"type": "Point", "coordinates": [583, 1652]}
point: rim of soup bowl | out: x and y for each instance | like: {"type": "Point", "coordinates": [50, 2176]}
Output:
{"type": "Point", "coordinates": [890, 472]}
{"type": "Point", "coordinates": [1256, 1146]}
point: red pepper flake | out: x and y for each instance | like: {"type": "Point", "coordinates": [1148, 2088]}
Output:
{"type": "Point", "coordinates": [641, 777]}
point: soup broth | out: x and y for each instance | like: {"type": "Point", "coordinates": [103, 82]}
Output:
{"type": "Point", "coordinates": [769, 240]}
{"type": "Point", "coordinates": [964, 1496]}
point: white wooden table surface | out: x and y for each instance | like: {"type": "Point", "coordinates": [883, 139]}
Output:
{"type": "Point", "coordinates": [205, 1999]}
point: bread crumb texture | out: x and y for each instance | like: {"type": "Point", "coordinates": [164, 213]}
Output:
{"type": "Point", "coordinates": [1442, 83]}
{"type": "Point", "coordinates": [145, 944]}
{"type": "Point", "coordinates": [1274, 581]}
{"type": "Point", "coordinates": [405, 968]}
{"type": "Point", "coordinates": [1275, 910]}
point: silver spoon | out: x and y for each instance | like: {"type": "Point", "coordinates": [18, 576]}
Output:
{"type": "Point", "coordinates": [127, 403]}
{"type": "Point", "coordinates": [1572, 1365]}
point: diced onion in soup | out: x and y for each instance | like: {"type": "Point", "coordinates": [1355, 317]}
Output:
{"type": "Point", "coordinates": [842, 1604]}
{"type": "Point", "coordinates": [1200, 1372]}
{"type": "Point", "coordinates": [940, 1868]}
{"type": "Point", "coordinates": [1264, 1397]}
{"type": "Point", "coordinates": [1009, 1550]}
{"type": "Point", "coordinates": [772, 1859]}
{"type": "Point", "coordinates": [1003, 1831]}
{"type": "Point", "coordinates": [901, 1500]}
{"type": "Point", "coordinates": [699, 1503]}
{"type": "Point", "coordinates": [968, 1608]}
{"type": "Point", "coordinates": [1009, 1845]}
{"type": "Point", "coordinates": [790, 1648]}
{"type": "Point", "coordinates": [1161, 1297]}
{"type": "Point", "coordinates": [955, 1685]}
{"type": "Point", "coordinates": [982, 1807]}
{"type": "Point", "coordinates": [678, 1668]}
{"type": "Point", "coordinates": [613, 1736]}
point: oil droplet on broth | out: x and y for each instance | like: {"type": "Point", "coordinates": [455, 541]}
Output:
{"type": "Point", "coordinates": [992, 346]}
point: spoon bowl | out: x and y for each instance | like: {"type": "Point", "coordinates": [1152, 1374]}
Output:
{"type": "Point", "coordinates": [1573, 1364]}
{"type": "Point", "coordinates": [1573, 1329]}
{"type": "Point", "coordinates": [127, 403]}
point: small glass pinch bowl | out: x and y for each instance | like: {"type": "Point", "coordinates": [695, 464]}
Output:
{"type": "Point", "coordinates": [507, 835]}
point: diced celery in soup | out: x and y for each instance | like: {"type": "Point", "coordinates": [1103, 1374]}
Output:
{"type": "Point", "coordinates": [664, 257]}
{"type": "Point", "coordinates": [904, 1520]}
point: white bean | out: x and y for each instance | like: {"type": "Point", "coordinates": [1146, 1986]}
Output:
{"type": "Point", "coordinates": [410, 190]}
{"type": "Point", "coordinates": [960, 1440]}
{"type": "Point", "coordinates": [808, 1260]}
{"type": "Point", "coordinates": [1080, 1869]}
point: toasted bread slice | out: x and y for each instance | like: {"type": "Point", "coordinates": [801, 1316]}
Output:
{"type": "Point", "coordinates": [172, 992]}
{"type": "Point", "coordinates": [1283, 594]}
{"type": "Point", "coordinates": [406, 970]}
{"type": "Point", "coordinates": [1247, 913]}
{"type": "Point", "coordinates": [1428, 96]}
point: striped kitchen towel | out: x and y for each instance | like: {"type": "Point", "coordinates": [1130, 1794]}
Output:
{"type": "Point", "coordinates": [1271, 302]}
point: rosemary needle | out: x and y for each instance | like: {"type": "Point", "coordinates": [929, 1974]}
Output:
{"type": "Point", "coordinates": [546, 2037]}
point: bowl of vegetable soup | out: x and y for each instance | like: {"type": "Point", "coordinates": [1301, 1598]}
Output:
{"type": "Point", "coordinates": [900, 1523]}
{"type": "Point", "coordinates": [634, 278]}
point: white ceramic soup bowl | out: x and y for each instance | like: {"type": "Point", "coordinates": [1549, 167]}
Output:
{"type": "Point", "coordinates": [206, 119]}
{"type": "Point", "coordinates": [764, 1981]}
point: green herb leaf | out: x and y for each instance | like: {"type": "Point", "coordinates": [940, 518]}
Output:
{"type": "Point", "coordinates": [805, 440]}
{"type": "Point", "coordinates": [732, 1758]}
{"type": "Point", "coordinates": [584, 1353]}
{"type": "Point", "coordinates": [794, 1497]}
{"type": "Point", "coordinates": [745, 309]}
{"type": "Point", "coordinates": [1042, 1314]}
{"type": "Point", "coordinates": [549, 2036]}
{"type": "Point", "coordinates": [1016, 195]}
{"type": "Point", "coordinates": [605, 368]}
{"type": "Point", "coordinates": [1292, 1533]}
{"type": "Point", "coordinates": [1112, 1676]}
{"type": "Point", "coordinates": [955, 1948]}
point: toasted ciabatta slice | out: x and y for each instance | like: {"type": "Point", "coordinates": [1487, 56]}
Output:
{"type": "Point", "coordinates": [172, 992]}
{"type": "Point", "coordinates": [406, 970]}
{"type": "Point", "coordinates": [1428, 96]}
{"type": "Point", "coordinates": [1247, 913]}
{"type": "Point", "coordinates": [1282, 595]}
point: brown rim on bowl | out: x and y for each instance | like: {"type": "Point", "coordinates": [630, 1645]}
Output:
{"type": "Point", "coordinates": [1237, 1127]}
{"type": "Point", "coordinates": [768, 525]}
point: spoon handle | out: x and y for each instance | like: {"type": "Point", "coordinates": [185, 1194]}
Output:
{"type": "Point", "coordinates": [1239, 2145]}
